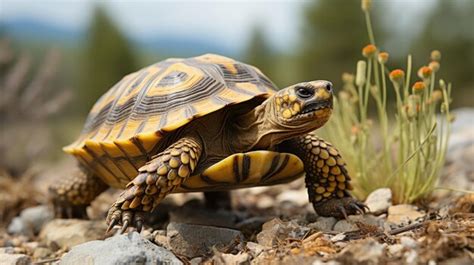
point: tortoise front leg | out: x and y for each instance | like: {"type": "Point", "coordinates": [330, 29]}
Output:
{"type": "Point", "coordinates": [326, 179]}
{"type": "Point", "coordinates": [159, 177]}
{"type": "Point", "coordinates": [72, 194]}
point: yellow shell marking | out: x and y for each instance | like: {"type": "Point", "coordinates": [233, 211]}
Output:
{"type": "Point", "coordinates": [254, 168]}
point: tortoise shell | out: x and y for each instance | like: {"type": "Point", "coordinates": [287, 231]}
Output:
{"type": "Point", "coordinates": [128, 121]}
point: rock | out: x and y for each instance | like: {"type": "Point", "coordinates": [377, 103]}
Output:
{"type": "Point", "coordinates": [338, 237]}
{"type": "Point", "coordinates": [345, 226]}
{"type": "Point", "coordinates": [196, 240]}
{"type": "Point", "coordinates": [120, 249]}
{"type": "Point", "coordinates": [323, 224]}
{"type": "Point", "coordinates": [159, 238]}
{"type": "Point", "coordinates": [350, 224]}
{"type": "Point", "coordinates": [67, 233]}
{"type": "Point", "coordinates": [298, 197]}
{"type": "Point", "coordinates": [30, 221]}
{"type": "Point", "coordinates": [379, 200]}
{"type": "Point", "coordinates": [41, 253]}
{"type": "Point", "coordinates": [403, 214]}
{"type": "Point", "coordinates": [459, 169]}
{"type": "Point", "coordinates": [275, 231]}
{"type": "Point", "coordinates": [196, 261]}
{"type": "Point", "coordinates": [395, 250]}
{"type": "Point", "coordinates": [197, 214]}
{"type": "Point", "coordinates": [14, 259]}
{"type": "Point", "coordinates": [408, 242]}
{"type": "Point", "coordinates": [255, 249]}
{"type": "Point", "coordinates": [367, 251]}
{"type": "Point", "coordinates": [411, 257]}
{"type": "Point", "coordinates": [237, 259]}
{"type": "Point", "coordinates": [7, 250]}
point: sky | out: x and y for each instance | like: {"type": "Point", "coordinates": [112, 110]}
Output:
{"type": "Point", "coordinates": [229, 22]}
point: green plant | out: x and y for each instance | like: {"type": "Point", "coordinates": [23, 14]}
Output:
{"type": "Point", "coordinates": [403, 147]}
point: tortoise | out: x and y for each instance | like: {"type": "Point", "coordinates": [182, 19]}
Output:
{"type": "Point", "coordinates": [209, 124]}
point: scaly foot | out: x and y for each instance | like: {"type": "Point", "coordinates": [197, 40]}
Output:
{"type": "Point", "coordinates": [340, 208]}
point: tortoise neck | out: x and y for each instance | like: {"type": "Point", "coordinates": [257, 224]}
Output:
{"type": "Point", "coordinates": [257, 129]}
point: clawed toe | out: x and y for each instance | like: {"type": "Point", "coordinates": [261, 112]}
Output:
{"type": "Point", "coordinates": [125, 218]}
{"type": "Point", "coordinates": [340, 208]}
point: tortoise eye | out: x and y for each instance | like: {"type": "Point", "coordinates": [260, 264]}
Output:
{"type": "Point", "coordinates": [304, 92]}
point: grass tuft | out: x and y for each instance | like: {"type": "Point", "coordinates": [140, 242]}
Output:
{"type": "Point", "coordinates": [402, 147]}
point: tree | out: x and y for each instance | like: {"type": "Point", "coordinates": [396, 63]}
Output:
{"type": "Point", "coordinates": [258, 51]}
{"type": "Point", "coordinates": [449, 29]}
{"type": "Point", "coordinates": [107, 58]}
{"type": "Point", "coordinates": [333, 34]}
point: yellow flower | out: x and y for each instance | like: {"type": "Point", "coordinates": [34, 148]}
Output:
{"type": "Point", "coordinates": [424, 72]}
{"type": "Point", "coordinates": [369, 50]}
{"type": "Point", "coordinates": [418, 87]}
{"type": "Point", "coordinates": [348, 78]}
{"type": "Point", "coordinates": [383, 57]}
{"type": "Point", "coordinates": [436, 55]}
{"type": "Point", "coordinates": [397, 76]}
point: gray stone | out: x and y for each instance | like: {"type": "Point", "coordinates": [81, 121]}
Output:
{"type": "Point", "coordinates": [345, 226]}
{"type": "Point", "coordinates": [237, 259]}
{"type": "Point", "coordinates": [459, 167]}
{"type": "Point", "coordinates": [192, 240]}
{"type": "Point", "coordinates": [30, 221]}
{"type": "Point", "coordinates": [67, 233]}
{"type": "Point", "coordinates": [367, 251]}
{"type": "Point", "coordinates": [121, 249]}
{"type": "Point", "coordinates": [350, 224]}
{"type": "Point", "coordinates": [276, 231]}
{"type": "Point", "coordinates": [14, 259]}
{"type": "Point", "coordinates": [395, 250]}
{"type": "Point", "coordinates": [323, 224]}
{"type": "Point", "coordinates": [7, 250]}
{"type": "Point", "coordinates": [403, 214]}
{"type": "Point", "coordinates": [379, 200]}
{"type": "Point", "coordinates": [255, 249]}
{"type": "Point", "coordinates": [408, 242]}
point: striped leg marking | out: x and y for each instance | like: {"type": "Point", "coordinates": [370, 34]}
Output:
{"type": "Point", "coordinates": [159, 177]}
{"type": "Point", "coordinates": [327, 179]}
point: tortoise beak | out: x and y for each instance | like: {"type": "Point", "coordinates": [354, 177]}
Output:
{"type": "Point", "coordinates": [315, 105]}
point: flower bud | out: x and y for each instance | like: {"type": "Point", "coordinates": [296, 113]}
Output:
{"type": "Point", "coordinates": [397, 76]}
{"type": "Point", "coordinates": [436, 55]}
{"type": "Point", "coordinates": [383, 57]}
{"type": "Point", "coordinates": [369, 50]}
{"type": "Point", "coordinates": [366, 5]}
{"type": "Point", "coordinates": [424, 72]}
{"type": "Point", "coordinates": [437, 95]}
{"type": "Point", "coordinates": [418, 87]}
{"type": "Point", "coordinates": [434, 66]}
{"type": "Point", "coordinates": [360, 76]}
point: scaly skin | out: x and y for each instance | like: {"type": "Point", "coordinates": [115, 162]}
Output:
{"type": "Point", "coordinates": [156, 179]}
{"type": "Point", "coordinates": [72, 195]}
{"type": "Point", "coordinates": [326, 179]}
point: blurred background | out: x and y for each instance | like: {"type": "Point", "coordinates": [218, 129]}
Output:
{"type": "Point", "coordinates": [58, 57]}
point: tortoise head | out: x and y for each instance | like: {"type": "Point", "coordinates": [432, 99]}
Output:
{"type": "Point", "coordinates": [304, 105]}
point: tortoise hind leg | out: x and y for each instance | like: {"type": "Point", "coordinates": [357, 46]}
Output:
{"type": "Point", "coordinates": [326, 179]}
{"type": "Point", "coordinates": [72, 195]}
{"type": "Point", "coordinates": [157, 178]}
{"type": "Point", "coordinates": [218, 200]}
